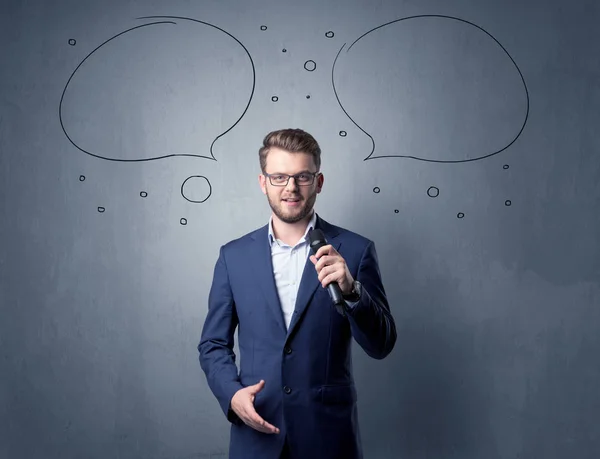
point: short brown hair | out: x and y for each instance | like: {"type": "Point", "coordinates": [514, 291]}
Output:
{"type": "Point", "coordinates": [292, 140]}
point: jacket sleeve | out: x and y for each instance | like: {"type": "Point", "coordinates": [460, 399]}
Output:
{"type": "Point", "coordinates": [371, 321]}
{"type": "Point", "coordinates": [216, 355]}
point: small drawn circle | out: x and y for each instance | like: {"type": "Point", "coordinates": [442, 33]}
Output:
{"type": "Point", "coordinates": [396, 211]}
{"type": "Point", "coordinates": [508, 202]}
{"type": "Point", "coordinates": [433, 192]}
{"type": "Point", "coordinates": [81, 178]}
{"type": "Point", "coordinates": [263, 27]}
{"type": "Point", "coordinates": [310, 65]}
{"type": "Point", "coordinates": [72, 41]}
{"type": "Point", "coordinates": [460, 215]}
{"type": "Point", "coordinates": [143, 194]}
{"type": "Point", "coordinates": [376, 189]}
{"type": "Point", "coordinates": [329, 34]}
{"type": "Point", "coordinates": [308, 96]}
{"type": "Point", "coordinates": [284, 50]}
{"type": "Point", "coordinates": [196, 189]}
{"type": "Point", "coordinates": [505, 166]}
{"type": "Point", "coordinates": [183, 221]}
{"type": "Point", "coordinates": [274, 98]}
{"type": "Point", "coordinates": [343, 133]}
{"type": "Point", "coordinates": [101, 209]}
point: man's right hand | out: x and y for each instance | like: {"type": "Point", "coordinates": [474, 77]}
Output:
{"type": "Point", "coordinates": [242, 403]}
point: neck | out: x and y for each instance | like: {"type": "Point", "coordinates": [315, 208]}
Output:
{"type": "Point", "coordinates": [290, 233]}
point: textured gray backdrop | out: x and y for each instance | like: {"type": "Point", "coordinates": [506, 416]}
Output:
{"type": "Point", "coordinates": [462, 137]}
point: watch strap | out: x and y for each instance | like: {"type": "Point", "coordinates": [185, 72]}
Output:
{"type": "Point", "coordinates": [354, 295]}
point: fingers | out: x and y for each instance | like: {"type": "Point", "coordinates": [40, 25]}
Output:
{"type": "Point", "coordinates": [330, 273]}
{"type": "Point", "coordinates": [327, 256]}
{"type": "Point", "coordinates": [244, 407]}
{"type": "Point", "coordinates": [325, 250]}
{"type": "Point", "coordinates": [331, 267]}
{"type": "Point", "coordinates": [253, 420]}
{"type": "Point", "coordinates": [327, 260]}
{"type": "Point", "coordinates": [334, 277]}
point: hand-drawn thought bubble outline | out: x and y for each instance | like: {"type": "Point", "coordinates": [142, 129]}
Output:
{"type": "Point", "coordinates": [370, 156]}
{"type": "Point", "coordinates": [146, 25]}
{"type": "Point", "coordinates": [194, 200]}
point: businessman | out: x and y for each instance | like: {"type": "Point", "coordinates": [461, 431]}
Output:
{"type": "Point", "coordinates": [294, 394]}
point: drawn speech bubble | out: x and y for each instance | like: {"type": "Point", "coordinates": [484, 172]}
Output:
{"type": "Point", "coordinates": [160, 89]}
{"type": "Point", "coordinates": [431, 88]}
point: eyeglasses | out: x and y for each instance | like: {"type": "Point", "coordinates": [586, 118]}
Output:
{"type": "Point", "coordinates": [301, 179]}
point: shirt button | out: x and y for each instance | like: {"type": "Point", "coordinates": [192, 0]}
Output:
{"type": "Point", "coordinates": [287, 350]}
{"type": "Point", "coordinates": [287, 390]}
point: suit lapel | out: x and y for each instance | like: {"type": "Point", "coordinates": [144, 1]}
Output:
{"type": "Point", "coordinates": [310, 282]}
{"type": "Point", "coordinates": [264, 274]}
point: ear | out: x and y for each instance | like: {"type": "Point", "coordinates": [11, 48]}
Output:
{"type": "Point", "coordinates": [320, 180]}
{"type": "Point", "coordinates": [262, 181]}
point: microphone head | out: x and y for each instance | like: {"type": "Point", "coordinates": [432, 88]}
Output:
{"type": "Point", "coordinates": [316, 239]}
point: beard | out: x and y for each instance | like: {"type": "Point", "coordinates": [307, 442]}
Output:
{"type": "Point", "coordinates": [290, 214]}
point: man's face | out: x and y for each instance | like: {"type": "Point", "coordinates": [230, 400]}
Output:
{"type": "Point", "coordinates": [290, 203]}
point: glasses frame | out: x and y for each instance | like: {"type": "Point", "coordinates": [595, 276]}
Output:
{"type": "Point", "coordinates": [295, 177]}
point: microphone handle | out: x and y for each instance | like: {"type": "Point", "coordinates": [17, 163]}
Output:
{"type": "Point", "coordinates": [336, 296]}
{"type": "Point", "coordinates": [335, 293]}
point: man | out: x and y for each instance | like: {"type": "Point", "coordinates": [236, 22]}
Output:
{"type": "Point", "coordinates": [294, 396]}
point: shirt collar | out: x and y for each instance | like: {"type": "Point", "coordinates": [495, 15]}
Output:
{"type": "Point", "coordinates": [311, 225]}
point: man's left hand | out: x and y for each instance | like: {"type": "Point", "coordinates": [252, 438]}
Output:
{"type": "Point", "coordinates": [331, 267]}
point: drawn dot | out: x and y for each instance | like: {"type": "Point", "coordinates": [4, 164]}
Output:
{"type": "Point", "coordinates": [196, 189]}
{"type": "Point", "coordinates": [508, 202]}
{"type": "Point", "coordinates": [143, 194]}
{"type": "Point", "coordinates": [274, 98]}
{"type": "Point", "coordinates": [376, 189]}
{"type": "Point", "coordinates": [329, 34]}
{"type": "Point", "coordinates": [101, 209]}
{"type": "Point", "coordinates": [81, 178]}
{"type": "Point", "coordinates": [505, 166]}
{"type": "Point", "coordinates": [284, 50]}
{"type": "Point", "coordinates": [460, 215]}
{"type": "Point", "coordinates": [72, 41]}
{"type": "Point", "coordinates": [396, 211]}
{"type": "Point", "coordinates": [263, 27]}
{"type": "Point", "coordinates": [343, 133]}
{"type": "Point", "coordinates": [183, 221]}
{"type": "Point", "coordinates": [433, 192]}
{"type": "Point", "coordinates": [308, 96]}
{"type": "Point", "coordinates": [310, 65]}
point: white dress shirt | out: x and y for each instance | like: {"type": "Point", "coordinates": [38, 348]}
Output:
{"type": "Point", "coordinates": [288, 265]}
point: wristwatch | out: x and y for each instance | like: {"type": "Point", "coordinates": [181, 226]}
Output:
{"type": "Point", "coordinates": [354, 295]}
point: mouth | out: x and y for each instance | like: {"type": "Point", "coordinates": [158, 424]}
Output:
{"type": "Point", "coordinates": [292, 201]}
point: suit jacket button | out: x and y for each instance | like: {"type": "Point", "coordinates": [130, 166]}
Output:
{"type": "Point", "coordinates": [287, 350]}
{"type": "Point", "coordinates": [287, 390]}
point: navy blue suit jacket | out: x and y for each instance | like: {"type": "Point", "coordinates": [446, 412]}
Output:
{"type": "Point", "coordinates": [309, 388]}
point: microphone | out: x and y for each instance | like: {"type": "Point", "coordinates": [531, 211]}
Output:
{"type": "Point", "coordinates": [317, 240]}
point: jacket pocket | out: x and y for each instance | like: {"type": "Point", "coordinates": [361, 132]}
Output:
{"type": "Point", "coordinates": [336, 395]}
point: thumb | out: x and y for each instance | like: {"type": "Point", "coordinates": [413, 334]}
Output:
{"type": "Point", "coordinates": [257, 387]}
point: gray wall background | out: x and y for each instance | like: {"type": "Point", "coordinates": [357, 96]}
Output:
{"type": "Point", "coordinates": [497, 312]}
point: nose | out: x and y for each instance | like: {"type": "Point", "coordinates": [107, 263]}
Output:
{"type": "Point", "coordinates": [292, 185]}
